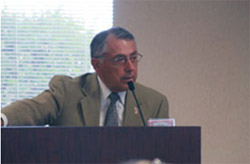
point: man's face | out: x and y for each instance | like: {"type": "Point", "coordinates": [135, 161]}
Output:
{"type": "Point", "coordinates": [116, 76]}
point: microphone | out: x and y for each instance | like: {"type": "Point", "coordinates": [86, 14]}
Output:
{"type": "Point", "coordinates": [132, 88]}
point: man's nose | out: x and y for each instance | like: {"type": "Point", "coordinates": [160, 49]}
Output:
{"type": "Point", "coordinates": [129, 65]}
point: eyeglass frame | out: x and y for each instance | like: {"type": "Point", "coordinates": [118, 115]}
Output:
{"type": "Point", "coordinates": [125, 58]}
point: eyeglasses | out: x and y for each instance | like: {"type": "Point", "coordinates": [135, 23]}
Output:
{"type": "Point", "coordinates": [122, 59]}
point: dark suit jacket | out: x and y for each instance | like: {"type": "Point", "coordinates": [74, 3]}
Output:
{"type": "Point", "coordinates": [76, 102]}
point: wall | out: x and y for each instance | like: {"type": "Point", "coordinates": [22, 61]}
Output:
{"type": "Point", "coordinates": [197, 54]}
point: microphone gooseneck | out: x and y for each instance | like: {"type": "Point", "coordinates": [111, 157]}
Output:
{"type": "Point", "coordinates": [132, 88]}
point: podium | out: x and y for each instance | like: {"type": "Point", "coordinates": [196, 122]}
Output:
{"type": "Point", "coordinates": [100, 144]}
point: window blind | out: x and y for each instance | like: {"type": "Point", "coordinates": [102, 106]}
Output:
{"type": "Point", "coordinates": [40, 39]}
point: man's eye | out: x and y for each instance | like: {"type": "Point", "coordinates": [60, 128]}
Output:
{"type": "Point", "coordinates": [133, 58]}
{"type": "Point", "coordinates": [119, 59]}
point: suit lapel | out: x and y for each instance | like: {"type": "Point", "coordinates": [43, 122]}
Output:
{"type": "Point", "coordinates": [131, 113]}
{"type": "Point", "coordinates": [91, 102]}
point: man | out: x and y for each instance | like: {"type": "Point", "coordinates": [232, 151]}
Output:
{"type": "Point", "coordinates": [98, 99]}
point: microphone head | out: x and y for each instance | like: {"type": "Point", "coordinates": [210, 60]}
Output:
{"type": "Point", "coordinates": [131, 85]}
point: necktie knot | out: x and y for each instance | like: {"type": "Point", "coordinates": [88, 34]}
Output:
{"type": "Point", "coordinates": [114, 97]}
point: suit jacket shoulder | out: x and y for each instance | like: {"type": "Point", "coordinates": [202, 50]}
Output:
{"type": "Point", "coordinates": [147, 92]}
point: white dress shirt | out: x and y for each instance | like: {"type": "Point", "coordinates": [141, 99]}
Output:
{"type": "Point", "coordinates": [105, 101]}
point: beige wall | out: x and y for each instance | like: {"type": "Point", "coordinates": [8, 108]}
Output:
{"type": "Point", "coordinates": [197, 53]}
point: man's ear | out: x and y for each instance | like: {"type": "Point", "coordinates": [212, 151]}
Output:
{"type": "Point", "coordinates": [95, 63]}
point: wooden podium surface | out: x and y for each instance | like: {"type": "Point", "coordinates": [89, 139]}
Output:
{"type": "Point", "coordinates": [100, 144]}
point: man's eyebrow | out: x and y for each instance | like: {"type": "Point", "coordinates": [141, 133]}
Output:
{"type": "Point", "coordinates": [133, 53]}
{"type": "Point", "coordinates": [119, 55]}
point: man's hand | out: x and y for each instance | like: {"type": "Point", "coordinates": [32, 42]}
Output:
{"type": "Point", "coordinates": [4, 120]}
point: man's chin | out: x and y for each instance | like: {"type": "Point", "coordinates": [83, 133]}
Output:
{"type": "Point", "coordinates": [120, 88]}
{"type": "Point", "coordinates": [124, 88]}
{"type": "Point", "coordinates": [123, 85]}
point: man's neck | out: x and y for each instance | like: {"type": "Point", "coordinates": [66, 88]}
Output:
{"type": "Point", "coordinates": [105, 91]}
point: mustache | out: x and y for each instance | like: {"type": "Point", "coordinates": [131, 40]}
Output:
{"type": "Point", "coordinates": [128, 77]}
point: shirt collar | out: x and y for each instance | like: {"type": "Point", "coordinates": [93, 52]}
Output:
{"type": "Point", "coordinates": [105, 91]}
